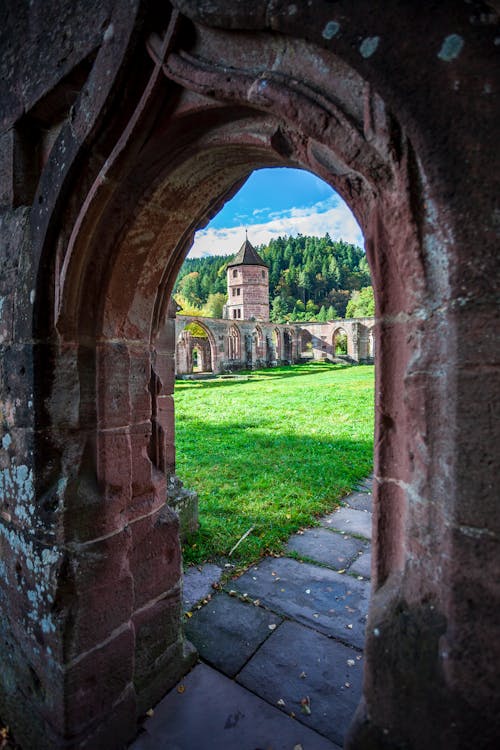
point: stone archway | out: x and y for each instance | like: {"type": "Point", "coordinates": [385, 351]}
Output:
{"type": "Point", "coordinates": [287, 347]}
{"type": "Point", "coordinates": [259, 349]}
{"type": "Point", "coordinates": [340, 342]}
{"type": "Point", "coordinates": [234, 344]}
{"type": "Point", "coordinates": [306, 343]}
{"type": "Point", "coordinates": [197, 337]}
{"type": "Point", "coordinates": [91, 551]}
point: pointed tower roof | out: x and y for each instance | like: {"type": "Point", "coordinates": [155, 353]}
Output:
{"type": "Point", "coordinates": [247, 256]}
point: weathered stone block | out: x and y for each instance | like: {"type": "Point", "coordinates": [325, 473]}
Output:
{"type": "Point", "coordinates": [156, 629]}
{"type": "Point", "coordinates": [114, 464]}
{"type": "Point", "coordinates": [142, 468]}
{"type": "Point", "coordinates": [97, 579]}
{"type": "Point", "coordinates": [179, 658]}
{"type": "Point", "coordinates": [96, 682]}
{"type": "Point", "coordinates": [185, 503]}
{"type": "Point", "coordinates": [139, 384]}
{"type": "Point", "coordinates": [113, 363]}
{"type": "Point", "coordinates": [155, 556]}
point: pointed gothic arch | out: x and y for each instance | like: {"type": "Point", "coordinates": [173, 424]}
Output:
{"type": "Point", "coordinates": [165, 129]}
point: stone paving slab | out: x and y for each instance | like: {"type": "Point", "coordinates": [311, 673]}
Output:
{"type": "Point", "coordinates": [215, 713]}
{"type": "Point", "coordinates": [366, 485]}
{"type": "Point", "coordinates": [327, 547]}
{"type": "Point", "coordinates": [330, 602]}
{"type": "Point", "coordinates": [296, 662]}
{"type": "Point", "coordinates": [359, 501]}
{"type": "Point", "coordinates": [226, 632]}
{"type": "Point", "coordinates": [362, 566]}
{"type": "Point", "coordinates": [198, 583]}
{"type": "Point", "coordinates": [349, 520]}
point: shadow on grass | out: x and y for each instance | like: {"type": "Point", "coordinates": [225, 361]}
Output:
{"type": "Point", "coordinates": [248, 376]}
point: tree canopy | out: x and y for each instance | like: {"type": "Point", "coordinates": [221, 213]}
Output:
{"type": "Point", "coordinates": [310, 278]}
{"type": "Point", "coordinates": [361, 304]}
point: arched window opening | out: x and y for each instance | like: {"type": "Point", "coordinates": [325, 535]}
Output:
{"type": "Point", "coordinates": [306, 344]}
{"type": "Point", "coordinates": [195, 350]}
{"type": "Point", "coordinates": [340, 343]}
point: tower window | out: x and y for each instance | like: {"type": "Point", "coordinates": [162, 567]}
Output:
{"type": "Point", "coordinates": [238, 291]}
{"type": "Point", "coordinates": [235, 273]}
{"type": "Point", "coordinates": [239, 313]}
{"type": "Point", "coordinates": [263, 274]}
{"type": "Point", "coordinates": [234, 313]}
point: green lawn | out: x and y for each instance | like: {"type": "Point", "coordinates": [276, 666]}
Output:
{"type": "Point", "coordinates": [271, 449]}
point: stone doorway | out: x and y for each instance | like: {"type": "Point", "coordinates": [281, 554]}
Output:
{"type": "Point", "coordinates": [168, 114]}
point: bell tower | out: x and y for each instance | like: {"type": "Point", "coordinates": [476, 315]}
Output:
{"type": "Point", "coordinates": [247, 286]}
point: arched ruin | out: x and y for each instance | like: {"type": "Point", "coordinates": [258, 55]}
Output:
{"type": "Point", "coordinates": [195, 348]}
{"type": "Point", "coordinates": [125, 128]}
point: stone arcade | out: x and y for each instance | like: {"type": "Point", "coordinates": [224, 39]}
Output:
{"type": "Point", "coordinates": [246, 338]}
{"type": "Point", "coordinates": [125, 127]}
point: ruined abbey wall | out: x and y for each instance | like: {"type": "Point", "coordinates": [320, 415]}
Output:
{"type": "Point", "coordinates": [236, 345]}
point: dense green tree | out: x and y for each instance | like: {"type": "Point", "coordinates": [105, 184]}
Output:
{"type": "Point", "coordinates": [361, 304]}
{"type": "Point", "coordinates": [310, 269]}
{"type": "Point", "coordinates": [322, 316]}
{"type": "Point", "coordinates": [214, 305]}
{"type": "Point", "coordinates": [279, 310]}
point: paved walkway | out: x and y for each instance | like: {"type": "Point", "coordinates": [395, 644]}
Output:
{"type": "Point", "coordinates": [280, 648]}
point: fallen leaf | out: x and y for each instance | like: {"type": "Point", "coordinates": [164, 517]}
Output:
{"type": "Point", "coordinates": [181, 689]}
{"type": "Point", "coordinates": [349, 626]}
{"type": "Point", "coordinates": [272, 626]}
{"type": "Point", "coordinates": [149, 712]}
{"type": "Point", "coordinates": [297, 747]}
{"type": "Point", "coordinates": [308, 591]}
{"type": "Point", "coordinates": [302, 675]}
{"type": "Point", "coordinates": [188, 614]}
{"type": "Point", "coordinates": [341, 571]}
{"type": "Point", "coordinates": [305, 705]}
{"type": "Point", "coordinates": [350, 662]}
{"type": "Point", "coordinates": [280, 702]}
{"type": "Point", "coordinates": [347, 684]}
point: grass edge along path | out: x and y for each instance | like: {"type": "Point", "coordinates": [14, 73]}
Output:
{"type": "Point", "coordinates": [273, 449]}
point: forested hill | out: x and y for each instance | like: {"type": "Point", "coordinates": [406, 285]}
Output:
{"type": "Point", "coordinates": [309, 278]}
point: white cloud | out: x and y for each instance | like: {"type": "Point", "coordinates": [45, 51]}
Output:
{"type": "Point", "coordinates": [320, 218]}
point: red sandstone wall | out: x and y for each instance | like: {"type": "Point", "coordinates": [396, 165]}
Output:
{"type": "Point", "coordinates": [254, 298]}
{"type": "Point", "coordinates": [398, 110]}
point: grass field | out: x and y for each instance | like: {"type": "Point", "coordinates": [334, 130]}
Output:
{"type": "Point", "coordinates": [272, 449]}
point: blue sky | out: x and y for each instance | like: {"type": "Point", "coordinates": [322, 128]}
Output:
{"type": "Point", "coordinates": [276, 202]}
